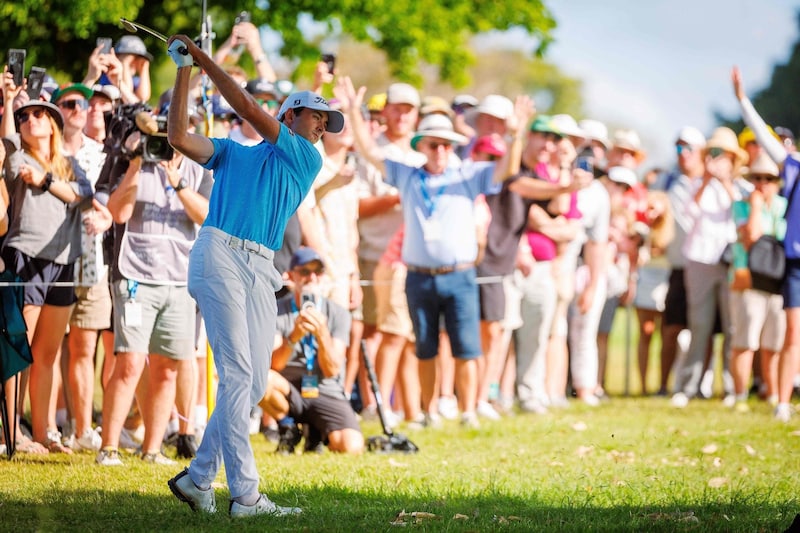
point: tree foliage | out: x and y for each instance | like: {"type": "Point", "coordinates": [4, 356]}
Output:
{"type": "Point", "coordinates": [60, 33]}
{"type": "Point", "coordinates": [777, 103]}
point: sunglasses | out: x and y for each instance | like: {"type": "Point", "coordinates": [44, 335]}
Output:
{"type": "Point", "coordinates": [555, 137]}
{"type": "Point", "coordinates": [271, 104]}
{"type": "Point", "coordinates": [25, 115]}
{"type": "Point", "coordinates": [681, 148]}
{"type": "Point", "coordinates": [764, 178]}
{"type": "Point", "coordinates": [433, 145]}
{"type": "Point", "coordinates": [72, 105]}
{"type": "Point", "coordinates": [715, 152]}
{"type": "Point", "coordinates": [303, 271]}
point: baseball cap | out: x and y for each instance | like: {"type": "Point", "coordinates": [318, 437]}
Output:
{"type": "Point", "coordinates": [544, 124]}
{"type": "Point", "coordinates": [490, 144]}
{"type": "Point", "coordinates": [261, 86]}
{"type": "Point", "coordinates": [691, 136]}
{"type": "Point", "coordinates": [72, 87]}
{"type": "Point", "coordinates": [303, 256]}
{"type": "Point", "coordinates": [435, 104]}
{"type": "Point", "coordinates": [312, 100]}
{"type": "Point", "coordinates": [402, 93]}
{"type": "Point", "coordinates": [622, 175]}
{"type": "Point", "coordinates": [566, 125]}
{"type": "Point", "coordinates": [109, 91]}
{"type": "Point", "coordinates": [595, 130]}
{"type": "Point", "coordinates": [131, 44]}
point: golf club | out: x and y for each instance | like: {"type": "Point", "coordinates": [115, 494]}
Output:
{"type": "Point", "coordinates": [134, 27]}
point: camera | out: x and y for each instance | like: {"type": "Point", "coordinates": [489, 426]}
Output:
{"type": "Point", "coordinates": [155, 146]}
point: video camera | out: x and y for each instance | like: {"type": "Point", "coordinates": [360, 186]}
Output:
{"type": "Point", "coordinates": [129, 118]}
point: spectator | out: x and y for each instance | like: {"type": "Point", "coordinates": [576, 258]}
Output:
{"type": "Point", "coordinates": [441, 273]}
{"type": "Point", "coordinates": [789, 359]}
{"type": "Point", "coordinates": [488, 118]}
{"type": "Point", "coordinates": [157, 209]}
{"type": "Point", "coordinates": [305, 385]}
{"type": "Point", "coordinates": [46, 189]}
{"type": "Point", "coordinates": [706, 277]}
{"type": "Point", "coordinates": [92, 312]}
{"type": "Point", "coordinates": [757, 316]}
{"type": "Point", "coordinates": [134, 83]}
{"type": "Point", "coordinates": [689, 144]}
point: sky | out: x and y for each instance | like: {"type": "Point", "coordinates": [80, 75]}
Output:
{"type": "Point", "coordinates": [657, 65]}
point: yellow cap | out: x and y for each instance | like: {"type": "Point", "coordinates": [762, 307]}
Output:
{"type": "Point", "coordinates": [747, 135]}
{"type": "Point", "coordinates": [376, 102]}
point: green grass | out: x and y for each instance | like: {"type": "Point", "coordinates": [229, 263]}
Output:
{"type": "Point", "coordinates": [632, 464]}
{"type": "Point", "coordinates": [629, 465]}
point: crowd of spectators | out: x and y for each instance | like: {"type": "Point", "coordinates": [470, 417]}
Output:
{"type": "Point", "coordinates": [479, 248]}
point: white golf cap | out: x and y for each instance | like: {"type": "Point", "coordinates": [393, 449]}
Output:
{"type": "Point", "coordinates": [312, 100]}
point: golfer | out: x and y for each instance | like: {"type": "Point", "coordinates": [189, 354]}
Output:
{"type": "Point", "coordinates": [231, 275]}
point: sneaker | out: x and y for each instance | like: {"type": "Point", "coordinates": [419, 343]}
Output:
{"type": "Point", "coordinates": [679, 400]}
{"type": "Point", "coordinates": [290, 436]}
{"type": "Point", "coordinates": [469, 420]}
{"type": "Point", "coordinates": [186, 446]}
{"type": "Point", "coordinates": [533, 406]}
{"type": "Point", "coordinates": [783, 412]}
{"type": "Point", "coordinates": [730, 400]}
{"type": "Point", "coordinates": [255, 420]}
{"type": "Point", "coordinates": [271, 433]}
{"type": "Point", "coordinates": [263, 506]}
{"type": "Point", "coordinates": [741, 406]}
{"type": "Point", "coordinates": [448, 407]}
{"type": "Point", "coordinates": [89, 440]}
{"type": "Point", "coordinates": [591, 400]}
{"type": "Point", "coordinates": [559, 402]}
{"type": "Point", "coordinates": [486, 410]}
{"type": "Point", "coordinates": [185, 490]}
{"type": "Point", "coordinates": [158, 458]}
{"type": "Point", "coordinates": [131, 439]}
{"type": "Point", "coordinates": [108, 457]}
{"type": "Point", "coordinates": [53, 442]}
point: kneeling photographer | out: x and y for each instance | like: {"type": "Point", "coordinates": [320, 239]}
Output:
{"type": "Point", "coordinates": [305, 385]}
{"type": "Point", "coordinates": [158, 204]}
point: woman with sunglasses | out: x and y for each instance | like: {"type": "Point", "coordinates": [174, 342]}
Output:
{"type": "Point", "coordinates": [757, 314]}
{"type": "Point", "coordinates": [44, 240]}
{"type": "Point", "coordinates": [789, 358]}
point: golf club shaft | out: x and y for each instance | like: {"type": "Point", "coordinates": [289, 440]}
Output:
{"type": "Point", "coordinates": [134, 26]}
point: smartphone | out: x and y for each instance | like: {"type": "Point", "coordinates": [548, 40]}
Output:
{"type": "Point", "coordinates": [16, 64]}
{"type": "Point", "coordinates": [330, 60]}
{"type": "Point", "coordinates": [244, 16]}
{"type": "Point", "coordinates": [35, 81]}
{"type": "Point", "coordinates": [105, 42]}
{"type": "Point", "coordinates": [308, 301]}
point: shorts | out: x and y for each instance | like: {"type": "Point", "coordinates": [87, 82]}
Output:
{"type": "Point", "coordinates": [675, 306]}
{"type": "Point", "coordinates": [651, 288]}
{"type": "Point", "coordinates": [93, 309]}
{"type": "Point", "coordinates": [791, 284]}
{"type": "Point", "coordinates": [607, 315]}
{"type": "Point", "coordinates": [40, 275]}
{"type": "Point", "coordinates": [392, 305]}
{"type": "Point", "coordinates": [758, 320]}
{"type": "Point", "coordinates": [168, 321]}
{"type": "Point", "coordinates": [324, 412]}
{"type": "Point", "coordinates": [454, 295]}
{"type": "Point", "coordinates": [492, 297]}
{"type": "Point", "coordinates": [369, 304]}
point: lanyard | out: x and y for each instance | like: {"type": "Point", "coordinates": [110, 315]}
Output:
{"type": "Point", "coordinates": [308, 344]}
{"type": "Point", "coordinates": [133, 286]}
{"type": "Point", "coordinates": [430, 203]}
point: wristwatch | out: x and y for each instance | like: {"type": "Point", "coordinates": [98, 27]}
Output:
{"type": "Point", "coordinates": [48, 181]}
{"type": "Point", "coordinates": [182, 184]}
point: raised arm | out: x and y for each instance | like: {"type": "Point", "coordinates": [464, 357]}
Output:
{"type": "Point", "coordinates": [194, 146]}
{"type": "Point", "coordinates": [245, 105]}
{"type": "Point", "coordinates": [351, 100]}
{"type": "Point", "coordinates": [509, 164]}
{"type": "Point", "coordinates": [776, 151]}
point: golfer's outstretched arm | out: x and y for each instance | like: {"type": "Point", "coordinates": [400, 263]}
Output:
{"type": "Point", "coordinates": [244, 104]}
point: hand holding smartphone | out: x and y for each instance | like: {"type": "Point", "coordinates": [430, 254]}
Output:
{"type": "Point", "coordinates": [330, 60]}
{"type": "Point", "coordinates": [16, 64]}
{"type": "Point", "coordinates": [105, 44]}
{"type": "Point", "coordinates": [35, 81]}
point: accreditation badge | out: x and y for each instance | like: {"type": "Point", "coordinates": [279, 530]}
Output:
{"type": "Point", "coordinates": [431, 230]}
{"type": "Point", "coordinates": [309, 387]}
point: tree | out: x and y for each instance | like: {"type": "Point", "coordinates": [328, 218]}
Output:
{"type": "Point", "coordinates": [60, 33]}
{"type": "Point", "coordinates": [777, 103]}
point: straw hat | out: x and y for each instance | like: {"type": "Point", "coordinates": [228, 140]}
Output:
{"type": "Point", "coordinates": [725, 139]}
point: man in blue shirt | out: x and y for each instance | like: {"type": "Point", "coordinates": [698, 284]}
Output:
{"type": "Point", "coordinates": [231, 274]}
{"type": "Point", "coordinates": [440, 245]}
